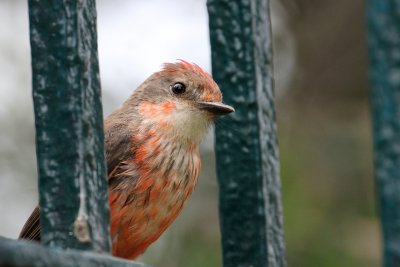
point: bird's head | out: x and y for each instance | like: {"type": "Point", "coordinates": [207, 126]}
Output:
{"type": "Point", "coordinates": [181, 99]}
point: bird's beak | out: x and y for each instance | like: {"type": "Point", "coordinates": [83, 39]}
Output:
{"type": "Point", "coordinates": [216, 108]}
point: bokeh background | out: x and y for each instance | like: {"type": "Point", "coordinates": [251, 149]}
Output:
{"type": "Point", "coordinates": [323, 119]}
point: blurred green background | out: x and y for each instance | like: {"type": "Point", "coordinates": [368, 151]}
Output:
{"type": "Point", "coordinates": [323, 122]}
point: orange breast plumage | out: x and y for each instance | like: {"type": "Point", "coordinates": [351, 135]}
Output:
{"type": "Point", "coordinates": [154, 187]}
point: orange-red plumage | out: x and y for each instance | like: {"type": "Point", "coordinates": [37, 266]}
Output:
{"type": "Point", "coordinates": [152, 154]}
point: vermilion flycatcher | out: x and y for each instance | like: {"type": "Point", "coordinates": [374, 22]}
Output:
{"type": "Point", "coordinates": [152, 154]}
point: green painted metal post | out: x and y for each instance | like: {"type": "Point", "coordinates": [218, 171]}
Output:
{"type": "Point", "coordinates": [70, 145]}
{"type": "Point", "coordinates": [23, 254]}
{"type": "Point", "coordinates": [246, 141]}
{"type": "Point", "coordinates": [384, 53]}
{"type": "Point", "coordinates": [69, 124]}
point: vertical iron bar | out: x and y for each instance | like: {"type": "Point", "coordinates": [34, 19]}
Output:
{"type": "Point", "coordinates": [69, 124]}
{"type": "Point", "coordinates": [384, 53]}
{"type": "Point", "coordinates": [246, 142]}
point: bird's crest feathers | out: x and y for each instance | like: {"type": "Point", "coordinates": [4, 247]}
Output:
{"type": "Point", "coordinates": [211, 92]}
{"type": "Point", "coordinates": [183, 64]}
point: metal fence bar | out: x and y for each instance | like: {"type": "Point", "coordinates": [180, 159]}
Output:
{"type": "Point", "coordinates": [69, 124]}
{"type": "Point", "coordinates": [23, 253]}
{"type": "Point", "coordinates": [384, 53]}
{"type": "Point", "coordinates": [246, 142]}
{"type": "Point", "coordinates": [69, 136]}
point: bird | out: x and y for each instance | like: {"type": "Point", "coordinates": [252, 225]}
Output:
{"type": "Point", "coordinates": [152, 154]}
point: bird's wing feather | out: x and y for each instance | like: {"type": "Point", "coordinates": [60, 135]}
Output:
{"type": "Point", "coordinates": [31, 229]}
{"type": "Point", "coordinates": [118, 146]}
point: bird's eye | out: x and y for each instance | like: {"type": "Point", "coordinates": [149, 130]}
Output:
{"type": "Point", "coordinates": [178, 88]}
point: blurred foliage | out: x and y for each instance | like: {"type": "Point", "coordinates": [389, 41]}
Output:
{"type": "Point", "coordinates": [325, 139]}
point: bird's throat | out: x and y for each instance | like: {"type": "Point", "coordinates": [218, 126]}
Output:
{"type": "Point", "coordinates": [178, 121]}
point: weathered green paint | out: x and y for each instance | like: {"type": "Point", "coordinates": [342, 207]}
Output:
{"type": "Point", "coordinates": [246, 141]}
{"type": "Point", "coordinates": [69, 124]}
{"type": "Point", "coordinates": [23, 253]}
{"type": "Point", "coordinates": [384, 53]}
